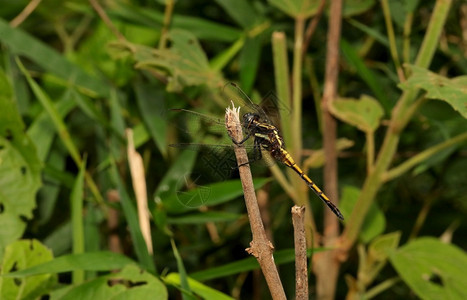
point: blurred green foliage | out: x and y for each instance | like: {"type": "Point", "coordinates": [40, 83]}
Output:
{"type": "Point", "coordinates": [72, 81]}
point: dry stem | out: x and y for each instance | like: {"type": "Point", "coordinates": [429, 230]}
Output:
{"type": "Point", "coordinates": [139, 186]}
{"type": "Point", "coordinates": [326, 264]}
{"type": "Point", "coordinates": [301, 270]}
{"type": "Point", "coordinates": [260, 246]}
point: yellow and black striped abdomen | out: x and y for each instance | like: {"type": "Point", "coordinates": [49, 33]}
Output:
{"type": "Point", "coordinates": [288, 161]}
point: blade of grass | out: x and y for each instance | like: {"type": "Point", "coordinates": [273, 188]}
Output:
{"type": "Point", "coordinates": [151, 103]}
{"type": "Point", "coordinates": [187, 293]}
{"type": "Point", "coordinates": [249, 61]}
{"type": "Point", "coordinates": [282, 80]}
{"type": "Point", "coordinates": [241, 11]}
{"type": "Point", "coordinates": [42, 130]}
{"type": "Point", "coordinates": [222, 59]}
{"type": "Point", "coordinates": [144, 258]}
{"type": "Point", "coordinates": [366, 74]}
{"type": "Point", "coordinates": [61, 128]}
{"type": "Point", "coordinates": [97, 261]}
{"type": "Point", "coordinates": [22, 43]}
{"type": "Point", "coordinates": [77, 221]}
{"type": "Point", "coordinates": [392, 39]}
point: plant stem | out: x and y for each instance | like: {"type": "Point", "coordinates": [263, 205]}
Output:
{"type": "Point", "coordinates": [398, 121]}
{"type": "Point", "coordinates": [422, 156]}
{"type": "Point", "coordinates": [301, 271]}
{"type": "Point", "coordinates": [370, 151]}
{"type": "Point", "coordinates": [392, 39]}
{"type": "Point", "coordinates": [281, 76]}
{"type": "Point", "coordinates": [315, 88]}
{"type": "Point", "coordinates": [406, 44]}
{"type": "Point", "coordinates": [169, 6]}
{"type": "Point", "coordinates": [296, 148]}
{"type": "Point", "coordinates": [312, 26]}
{"type": "Point", "coordinates": [326, 264]}
{"type": "Point", "coordinates": [24, 14]}
{"type": "Point", "coordinates": [381, 287]}
{"type": "Point", "coordinates": [433, 33]}
{"type": "Point", "coordinates": [260, 246]}
{"type": "Point", "coordinates": [105, 18]}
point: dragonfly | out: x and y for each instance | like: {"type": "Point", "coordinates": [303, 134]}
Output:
{"type": "Point", "coordinates": [266, 137]}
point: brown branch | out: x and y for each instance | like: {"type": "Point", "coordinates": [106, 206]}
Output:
{"type": "Point", "coordinates": [326, 264]}
{"type": "Point", "coordinates": [260, 246]}
{"type": "Point", "coordinates": [312, 27]}
{"type": "Point", "coordinates": [101, 12]}
{"type": "Point", "coordinates": [301, 269]}
{"type": "Point", "coordinates": [113, 240]}
{"type": "Point", "coordinates": [25, 13]}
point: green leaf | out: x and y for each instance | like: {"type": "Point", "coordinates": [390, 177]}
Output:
{"type": "Point", "coordinates": [77, 219]}
{"type": "Point", "coordinates": [153, 18]}
{"type": "Point", "coordinates": [296, 8]}
{"type": "Point", "coordinates": [184, 62]}
{"type": "Point", "coordinates": [51, 110]}
{"type": "Point", "coordinates": [49, 192]}
{"type": "Point", "coordinates": [432, 269]}
{"type": "Point", "coordinates": [197, 287]}
{"type": "Point", "coordinates": [22, 43]}
{"type": "Point", "coordinates": [364, 113]}
{"type": "Point", "coordinates": [208, 195]}
{"type": "Point", "coordinates": [169, 184]}
{"type": "Point", "coordinates": [19, 169]}
{"type": "Point", "coordinates": [241, 11]}
{"type": "Point", "coordinates": [381, 245]}
{"type": "Point", "coordinates": [369, 76]}
{"type": "Point", "coordinates": [375, 221]}
{"type": "Point", "coordinates": [151, 102]}
{"type": "Point", "coordinates": [22, 255]}
{"type": "Point", "coordinates": [224, 57]}
{"type": "Point", "coordinates": [140, 135]}
{"type": "Point", "coordinates": [371, 32]}
{"type": "Point", "coordinates": [130, 283]}
{"type": "Point", "coordinates": [206, 30]}
{"type": "Point", "coordinates": [248, 264]}
{"type": "Point", "coordinates": [356, 7]}
{"type": "Point", "coordinates": [91, 261]}
{"type": "Point", "coordinates": [204, 217]}
{"type": "Point", "coordinates": [59, 240]}
{"type": "Point", "coordinates": [42, 130]}
{"type": "Point", "coordinates": [88, 107]}
{"type": "Point", "coordinates": [249, 61]}
{"type": "Point", "coordinates": [453, 91]}
{"type": "Point", "coordinates": [183, 279]}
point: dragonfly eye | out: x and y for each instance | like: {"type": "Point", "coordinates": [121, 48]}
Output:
{"type": "Point", "coordinates": [248, 119]}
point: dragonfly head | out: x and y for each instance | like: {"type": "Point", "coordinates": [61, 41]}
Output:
{"type": "Point", "coordinates": [249, 119]}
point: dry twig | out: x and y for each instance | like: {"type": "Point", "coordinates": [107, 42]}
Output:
{"type": "Point", "coordinates": [260, 246]}
{"type": "Point", "coordinates": [301, 270]}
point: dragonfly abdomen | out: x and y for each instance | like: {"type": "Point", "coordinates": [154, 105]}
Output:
{"type": "Point", "coordinates": [288, 160]}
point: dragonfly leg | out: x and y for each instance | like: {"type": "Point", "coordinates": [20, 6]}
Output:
{"type": "Point", "coordinates": [242, 141]}
{"type": "Point", "coordinates": [257, 154]}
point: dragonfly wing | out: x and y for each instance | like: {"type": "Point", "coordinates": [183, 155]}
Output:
{"type": "Point", "coordinates": [215, 162]}
{"type": "Point", "coordinates": [234, 94]}
{"type": "Point", "coordinates": [196, 126]}
{"type": "Point", "coordinates": [269, 109]}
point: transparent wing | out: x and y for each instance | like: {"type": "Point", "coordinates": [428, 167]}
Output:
{"type": "Point", "coordinates": [197, 127]}
{"type": "Point", "coordinates": [269, 109]}
{"type": "Point", "coordinates": [234, 94]}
